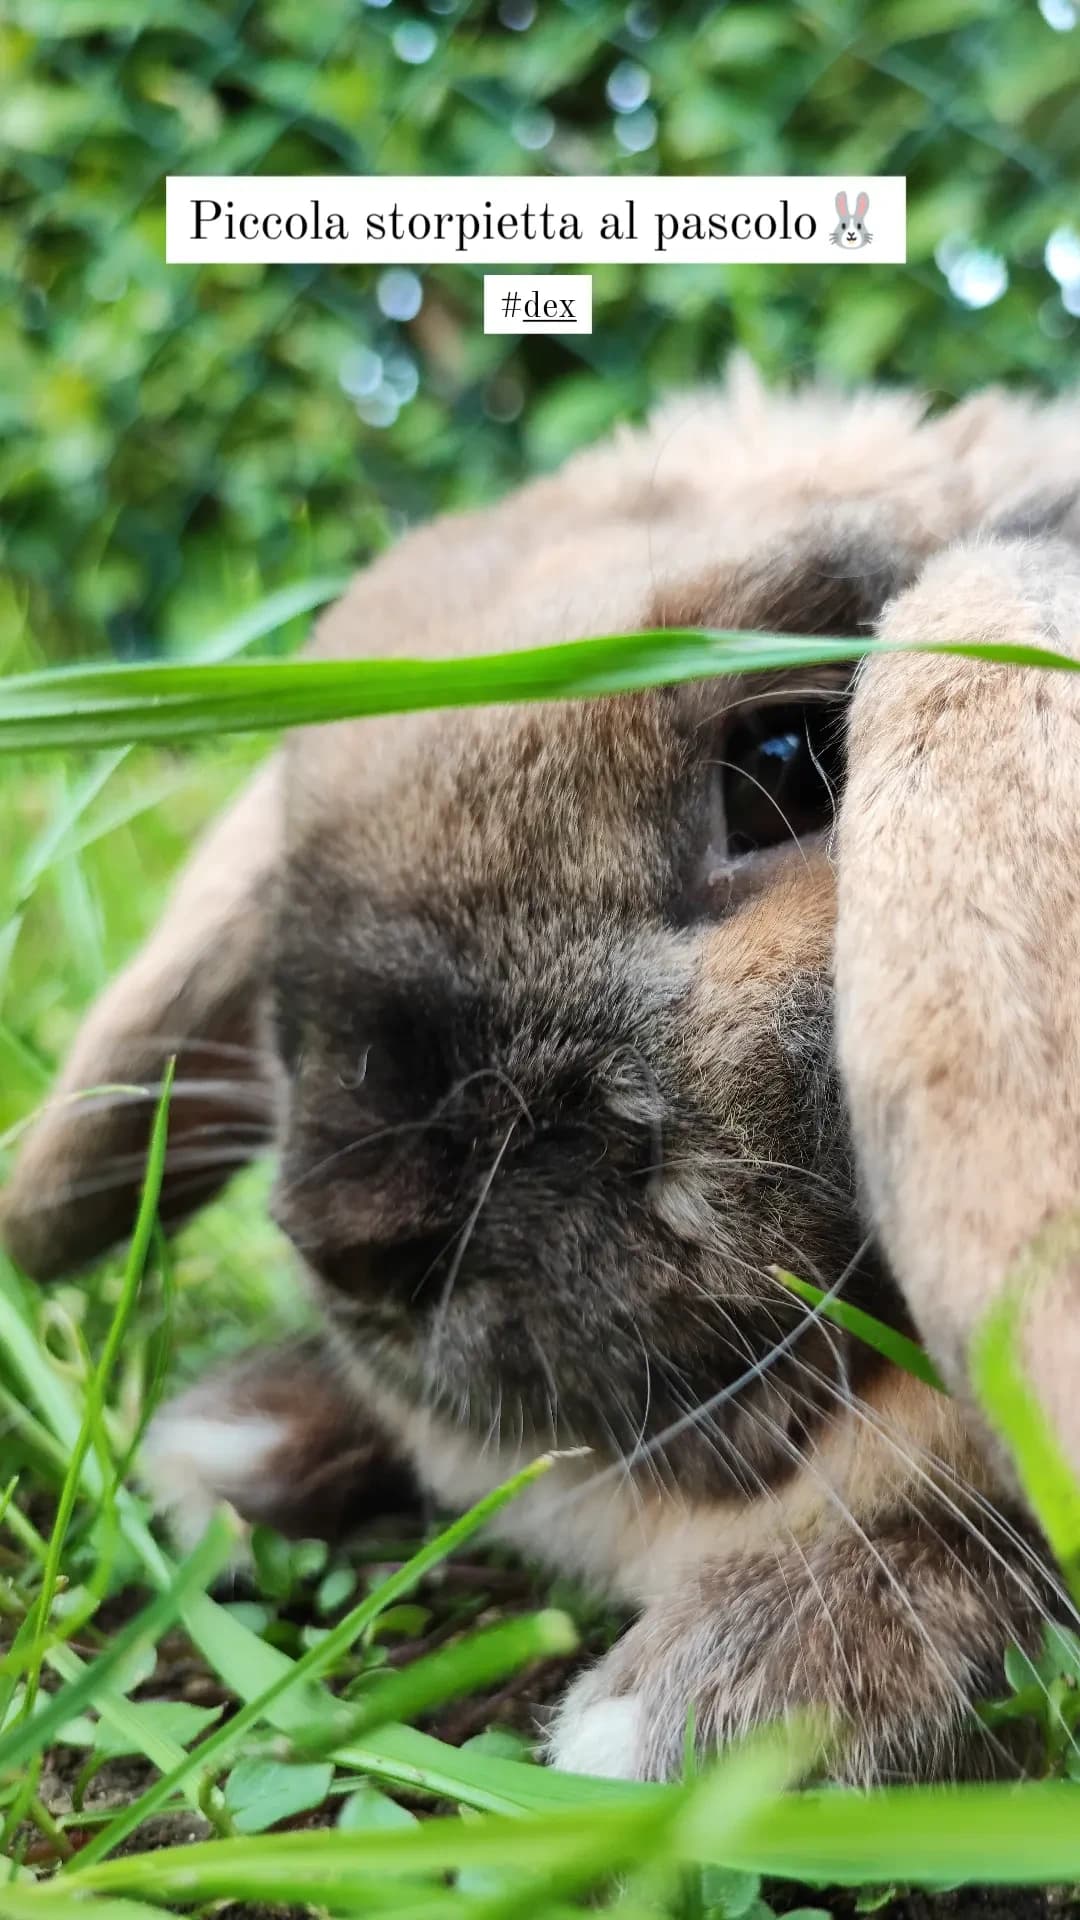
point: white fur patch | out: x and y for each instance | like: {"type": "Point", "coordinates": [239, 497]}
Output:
{"type": "Point", "coordinates": [192, 1460]}
{"type": "Point", "coordinates": [602, 1739]}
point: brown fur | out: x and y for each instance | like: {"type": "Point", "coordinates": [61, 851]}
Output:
{"type": "Point", "coordinates": [960, 914]}
{"type": "Point", "coordinates": [842, 1624]}
{"type": "Point", "coordinates": [555, 1078]}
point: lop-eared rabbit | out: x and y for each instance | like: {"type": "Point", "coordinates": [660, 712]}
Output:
{"type": "Point", "coordinates": [568, 1023]}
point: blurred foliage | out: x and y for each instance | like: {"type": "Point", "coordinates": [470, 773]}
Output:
{"type": "Point", "coordinates": [178, 441]}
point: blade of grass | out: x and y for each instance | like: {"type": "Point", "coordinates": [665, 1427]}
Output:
{"type": "Point", "coordinates": [23, 1352]}
{"type": "Point", "coordinates": [60, 823]}
{"type": "Point", "coordinates": [404, 1757]}
{"type": "Point", "coordinates": [479, 1661]}
{"type": "Point", "coordinates": [117, 1712]}
{"type": "Point", "coordinates": [29, 1540]}
{"type": "Point", "coordinates": [89, 1433]}
{"type": "Point", "coordinates": [1007, 1397]}
{"type": "Point", "coordinates": [885, 1340]}
{"type": "Point", "coordinates": [405, 1901]}
{"type": "Point", "coordinates": [156, 1353]}
{"type": "Point", "coordinates": [920, 1836]}
{"type": "Point", "coordinates": [43, 1446]}
{"type": "Point", "coordinates": [108, 705]}
{"type": "Point", "coordinates": [24, 1903]}
{"type": "Point", "coordinates": [267, 616]}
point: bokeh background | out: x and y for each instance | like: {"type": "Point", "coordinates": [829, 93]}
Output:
{"type": "Point", "coordinates": [178, 443]}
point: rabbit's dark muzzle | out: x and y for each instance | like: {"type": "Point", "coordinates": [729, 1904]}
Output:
{"type": "Point", "coordinates": [559, 1187]}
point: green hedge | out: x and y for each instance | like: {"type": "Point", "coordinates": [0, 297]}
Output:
{"type": "Point", "coordinates": [177, 442]}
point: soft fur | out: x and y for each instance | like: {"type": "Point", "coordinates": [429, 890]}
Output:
{"type": "Point", "coordinates": [556, 1078]}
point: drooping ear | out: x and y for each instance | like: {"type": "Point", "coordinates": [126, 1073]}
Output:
{"type": "Point", "coordinates": [841, 205]}
{"type": "Point", "coordinates": [862, 205]}
{"type": "Point", "coordinates": [191, 991]}
{"type": "Point", "coordinates": [958, 930]}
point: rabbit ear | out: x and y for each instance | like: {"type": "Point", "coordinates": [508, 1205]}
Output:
{"type": "Point", "coordinates": [191, 991]}
{"type": "Point", "coordinates": [861, 205]}
{"type": "Point", "coordinates": [965, 1135]}
{"type": "Point", "coordinates": [841, 205]}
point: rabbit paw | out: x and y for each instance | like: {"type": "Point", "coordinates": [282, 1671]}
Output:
{"type": "Point", "coordinates": [891, 1638]}
{"type": "Point", "coordinates": [276, 1435]}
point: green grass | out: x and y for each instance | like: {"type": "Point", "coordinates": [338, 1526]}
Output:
{"type": "Point", "coordinates": [885, 1340]}
{"type": "Point", "coordinates": [297, 1753]}
{"type": "Point", "coordinates": [100, 706]}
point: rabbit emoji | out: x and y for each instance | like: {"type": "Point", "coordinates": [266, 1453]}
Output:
{"type": "Point", "coordinates": [851, 231]}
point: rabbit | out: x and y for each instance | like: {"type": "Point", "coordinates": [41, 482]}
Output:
{"type": "Point", "coordinates": [569, 1023]}
{"type": "Point", "coordinates": [851, 231]}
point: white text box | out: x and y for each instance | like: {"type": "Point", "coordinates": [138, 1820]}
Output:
{"type": "Point", "coordinates": [422, 220]}
{"type": "Point", "coordinates": [537, 303]}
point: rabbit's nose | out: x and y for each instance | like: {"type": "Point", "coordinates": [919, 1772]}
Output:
{"type": "Point", "coordinates": [405, 1271]}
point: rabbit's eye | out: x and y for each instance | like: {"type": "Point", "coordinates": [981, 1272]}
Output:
{"type": "Point", "coordinates": [782, 770]}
